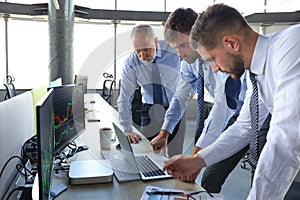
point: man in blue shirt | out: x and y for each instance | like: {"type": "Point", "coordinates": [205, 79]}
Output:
{"type": "Point", "coordinates": [228, 98]}
{"type": "Point", "coordinates": [155, 66]}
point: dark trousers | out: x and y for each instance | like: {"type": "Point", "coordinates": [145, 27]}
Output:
{"type": "Point", "coordinates": [146, 119]}
{"type": "Point", "coordinates": [215, 175]}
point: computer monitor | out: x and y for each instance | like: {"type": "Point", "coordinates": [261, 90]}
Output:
{"type": "Point", "coordinates": [80, 79]}
{"type": "Point", "coordinates": [45, 143]}
{"type": "Point", "coordinates": [69, 118]}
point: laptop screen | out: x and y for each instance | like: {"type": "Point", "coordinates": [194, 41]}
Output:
{"type": "Point", "coordinates": [126, 148]}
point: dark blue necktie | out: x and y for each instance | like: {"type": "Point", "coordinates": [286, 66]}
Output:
{"type": "Point", "coordinates": [200, 102]}
{"type": "Point", "coordinates": [157, 87]}
{"type": "Point", "coordinates": [232, 90]}
{"type": "Point", "coordinates": [254, 112]}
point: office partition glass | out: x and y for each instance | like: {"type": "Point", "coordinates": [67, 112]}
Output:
{"type": "Point", "coordinates": [28, 53]}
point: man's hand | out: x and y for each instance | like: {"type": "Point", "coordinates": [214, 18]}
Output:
{"type": "Point", "coordinates": [196, 150]}
{"type": "Point", "coordinates": [181, 165]}
{"type": "Point", "coordinates": [160, 140]}
{"type": "Point", "coordinates": [134, 137]}
{"type": "Point", "coordinates": [191, 177]}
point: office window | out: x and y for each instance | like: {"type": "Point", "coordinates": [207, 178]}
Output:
{"type": "Point", "coordinates": [196, 5]}
{"type": "Point", "coordinates": [282, 6]}
{"type": "Point", "coordinates": [93, 51]}
{"type": "Point", "coordinates": [244, 7]}
{"type": "Point", "coordinates": [27, 1]}
{"type": "Point", "coordinates": [2, 54]}
{"type": "Point", "coordinates": [96, 4]}
{"type": "Point", "coordinates": [28, 53]}
{"type": "Point", "coordinates": [141, 5]}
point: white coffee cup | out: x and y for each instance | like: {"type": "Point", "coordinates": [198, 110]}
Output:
{"type": "Point", "coordinates": [105, 138]}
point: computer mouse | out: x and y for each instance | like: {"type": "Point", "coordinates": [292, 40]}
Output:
{"type": "Point", "coordinates": [92, 101]}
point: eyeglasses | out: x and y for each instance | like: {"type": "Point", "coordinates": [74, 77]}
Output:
{"type": "Point", "coordinates": [199, 195]}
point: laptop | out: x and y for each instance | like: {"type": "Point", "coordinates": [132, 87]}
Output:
{"type": "Point", "coordinates": [129, 167]}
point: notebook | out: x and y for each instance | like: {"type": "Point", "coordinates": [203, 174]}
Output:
{"type": "Point", "coordinates": [129, 167]}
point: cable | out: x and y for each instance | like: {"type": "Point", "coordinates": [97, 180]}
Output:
{"type": "Point", "coordinates": [8, 162]}
{"type": "Point", "coordinates": [15, 189]}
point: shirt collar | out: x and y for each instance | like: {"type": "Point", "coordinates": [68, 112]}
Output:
{"type": "Point", "coordinates": [260, 55]}
{"type": "Point", "coordinates": [158, 50]}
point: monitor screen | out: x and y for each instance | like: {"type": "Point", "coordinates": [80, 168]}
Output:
{"type": "Point", "coordinates": [69, 118]}
{"type": "Point", "coordinates": [45, 142]}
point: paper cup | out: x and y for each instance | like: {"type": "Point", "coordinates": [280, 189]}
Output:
{"type": "Point", "coordinates": [105, 138]}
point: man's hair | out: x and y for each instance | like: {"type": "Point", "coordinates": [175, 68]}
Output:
{"type": "Point", "coordinates": [216, 22]}
{"type": "Point", "coordinates": [179, 21]}
{"type": "Point", "coordinates": [141, 30]}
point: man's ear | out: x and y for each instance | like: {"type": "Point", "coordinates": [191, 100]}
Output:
{"type": "Point", "coordinates": [156, 42]}
{"type": "Point", "coordinates": [231, 43]}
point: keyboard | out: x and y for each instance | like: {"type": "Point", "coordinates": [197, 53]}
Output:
{"type": "Point", "coordinates": [128, 171]}
{"type": "Point", "coordinates": [123, 171]}
{"type": "Point", "coordinates": [148, 167]}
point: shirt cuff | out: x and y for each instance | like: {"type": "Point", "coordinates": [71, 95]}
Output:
{"type": "Point", "coordinates": [209, 155]}
{"type": "Point", "coordinates": [168, 126]}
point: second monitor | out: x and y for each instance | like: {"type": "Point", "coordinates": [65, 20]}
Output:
{"type": "Point", "coordinates": [69, 118]}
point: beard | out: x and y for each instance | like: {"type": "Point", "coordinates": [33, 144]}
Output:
{"type": "Point", "coordinates": [236, 65]}
{"type": "Point", "coordinates": [149, 60]}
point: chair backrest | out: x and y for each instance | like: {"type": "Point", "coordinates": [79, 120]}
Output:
{"type": "Point", "coordinates": [107, 90]}
{"type": "Point", "coordinates": [10, 90]}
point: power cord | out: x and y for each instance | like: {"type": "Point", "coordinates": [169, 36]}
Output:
{"type": "Point", "coordinates": [3, 168]}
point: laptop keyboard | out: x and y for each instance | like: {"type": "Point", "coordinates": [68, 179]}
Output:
{"type": "Point", "coordinates": [122, 169]}
{"type": "Point", "coordinates": [148, 167]}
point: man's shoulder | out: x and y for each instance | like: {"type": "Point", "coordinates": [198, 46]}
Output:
{"type": "Point", "coordinates": [164, 46]}
{"type": "Point", "coordinates": [132, 60]}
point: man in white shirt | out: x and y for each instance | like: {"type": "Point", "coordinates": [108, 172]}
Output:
{"type": "Point", "coordinates": [223, 37]}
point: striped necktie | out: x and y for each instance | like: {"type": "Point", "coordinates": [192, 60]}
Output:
{"type": "Point", "coordinates": [200, 102]}
{"type": "Point", "coordinates": [254, 112]}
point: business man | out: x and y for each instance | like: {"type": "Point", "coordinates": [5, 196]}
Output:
{"type": "Point", "coordinates": [155, 66]}
{"type": "Point", "coordinates": [228, 96]}
{"type": "Point", "coordinates": [223, 37]}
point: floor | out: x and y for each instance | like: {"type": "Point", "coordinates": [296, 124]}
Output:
{"type": "Point", "coordinates": [237, 185]}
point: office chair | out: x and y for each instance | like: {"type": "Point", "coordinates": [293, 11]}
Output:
{"type": "Point", "coordinates": [107, 90]}
{"type": "Point", "coordinates": [10, 88]}
{"type": "Point", "coordinates": [136, 107]}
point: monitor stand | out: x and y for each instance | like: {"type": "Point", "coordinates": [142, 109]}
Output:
{"type": "Point", "coordinates": [90, 172]}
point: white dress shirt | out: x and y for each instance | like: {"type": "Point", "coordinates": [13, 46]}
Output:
{"type": "Point", "coordinates": [276, 62]}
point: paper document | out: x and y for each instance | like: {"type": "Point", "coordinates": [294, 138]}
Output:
{"type": "Point", "coordinates": [159, 193]}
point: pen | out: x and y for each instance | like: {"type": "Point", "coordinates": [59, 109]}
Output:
{"type": "Point", "coordinates": [164, 193]}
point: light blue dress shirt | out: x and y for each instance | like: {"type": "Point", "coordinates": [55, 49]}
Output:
{"type": "Point", "coordinates": [215, 84]}
{"type": "Point", "coordinates": [135, 72]}
{"type": "Point", "coordinates": [276, 62]}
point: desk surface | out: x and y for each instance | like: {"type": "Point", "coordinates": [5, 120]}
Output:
{"type": "Point", "coordinates": [114, 190]}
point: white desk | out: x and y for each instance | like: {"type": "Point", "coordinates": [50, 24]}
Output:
{"type": "Point", "coordinates": [114, 190]}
